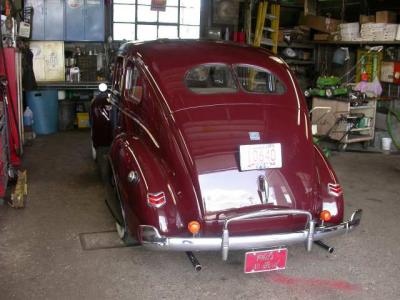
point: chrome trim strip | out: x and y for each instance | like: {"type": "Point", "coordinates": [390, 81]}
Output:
{"type": "Point", "coordinates": [151, 238]}
{"type": "Point", "coordinates": [297, 97]}
{"type": "Point", "coordinates": [136, 120]}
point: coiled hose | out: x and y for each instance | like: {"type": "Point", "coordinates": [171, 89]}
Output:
{"type": "Point", "coordinates": [394, 116]}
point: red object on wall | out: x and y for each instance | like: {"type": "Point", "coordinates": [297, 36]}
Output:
{"type": "Point", "coordinates": [12, 95]}
{"type": "Point", "coordinates": [396, 73]}
{"type": "Point", "coordinates": [239, 37]}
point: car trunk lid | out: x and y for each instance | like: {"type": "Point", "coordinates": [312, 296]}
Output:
{"type": "Point", "coordinates": [212, 138]}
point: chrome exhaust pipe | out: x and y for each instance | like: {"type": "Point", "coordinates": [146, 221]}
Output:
{"type": "Point", "coordinates": [325, 246]}
{"type": "Point", "coordinates": [196, 265]}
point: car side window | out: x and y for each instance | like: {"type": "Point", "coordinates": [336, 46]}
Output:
{"type": "Point", "coordinates": [210, 79]}
{"type": "Point", "coordinates": [133, 90]}
{"type": "Point", "coordinates": [258, 80]}
{"type": "Point", "coordinates": [118, 72]}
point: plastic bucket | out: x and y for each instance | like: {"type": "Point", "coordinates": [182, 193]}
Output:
{"type": "Point", "coordinates": [386, 144]}
{"type": "Point", "coordinates": [44, 105]}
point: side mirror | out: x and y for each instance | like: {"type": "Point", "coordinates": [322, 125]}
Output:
{"type": "Point", "coordinates": [103, 87]}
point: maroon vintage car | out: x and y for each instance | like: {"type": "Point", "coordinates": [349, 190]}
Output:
{"type": "Point", "coordinates": [208, 147]}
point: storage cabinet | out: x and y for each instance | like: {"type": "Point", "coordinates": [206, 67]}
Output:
{"type": "Point", "coordinates": [70, 20]}
{"type": "Point", "coordinates": [94, 20]}
{"type": "Point", "coordinates": [84, 20]}
{"type": "Point", "coordinates": [345, 121]}
{"type": "Point", "coordinates": [54, 20]}
{"type": "Point", "coordinates": [48, 19]}
{"type": "Point", "coordinates": [74, 20]}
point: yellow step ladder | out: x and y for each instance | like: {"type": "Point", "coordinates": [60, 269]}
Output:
{"type": "Point", "coordinates": [272, 16]}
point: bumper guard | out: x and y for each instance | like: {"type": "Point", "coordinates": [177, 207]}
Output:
{"type": "Point", "coordinates": [151, 238]}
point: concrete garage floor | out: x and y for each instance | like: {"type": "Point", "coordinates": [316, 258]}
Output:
{"type": "Point", "coordinates": [41, 255]}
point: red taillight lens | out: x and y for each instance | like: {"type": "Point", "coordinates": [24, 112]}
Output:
{"type": "Point", "coordinates": [325, 215]}
{"type": "Point", "coordinates": [156, 199]}
{"type": "Point", "coordinates": [334, 189]}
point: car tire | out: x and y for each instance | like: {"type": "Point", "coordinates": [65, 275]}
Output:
{"type": "Point", "coordinates": [307, 93]}
{"type": "Point", "coordinates": [122, 229]}
{"type": "Point", "coordinates": [94, 151]}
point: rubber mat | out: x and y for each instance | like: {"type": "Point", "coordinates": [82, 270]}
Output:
{"type": "Point", "coordinates": [100, 240]}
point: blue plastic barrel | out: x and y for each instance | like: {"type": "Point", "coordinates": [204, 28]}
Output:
{"type": "Point", "coordinates": [44, 105]}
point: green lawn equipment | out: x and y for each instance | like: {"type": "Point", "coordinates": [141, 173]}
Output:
{"type": "Point", "coordinates": [327, 86]}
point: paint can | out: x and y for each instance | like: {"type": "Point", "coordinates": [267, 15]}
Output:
{"type": "Point", "coordinates": [386, 144]}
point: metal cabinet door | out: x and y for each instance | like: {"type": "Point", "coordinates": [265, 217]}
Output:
{"type": "Point", "coordinates": [94, 20]}
{"type": "Point", "coordinates": [54, 20]}
{"type": "Point", "coordinates": [75, 20]}
{"type": "Point", "coordinates": [37, 19]}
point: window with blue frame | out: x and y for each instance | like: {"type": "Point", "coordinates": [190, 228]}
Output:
{"type": "Point", "coordinates": [135, 20]}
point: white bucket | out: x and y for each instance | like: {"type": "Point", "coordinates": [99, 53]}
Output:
{"type": "Point", "coordinates": [61, 95]}
{"type": "Point", "coordinates": [386, 144]}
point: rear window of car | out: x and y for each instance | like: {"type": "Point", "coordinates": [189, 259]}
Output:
{"type": "Point", "coordinates": [258, 80]}
{"type": "Point", "coordinates": [211, 79]}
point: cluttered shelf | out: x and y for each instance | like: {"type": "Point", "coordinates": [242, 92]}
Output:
{"type": "Point", "coordinates": [299, 61]}
{"type": "Point", "coordinates": [360, 43]}
{"type": "Point", "coordinates": [305, 45]}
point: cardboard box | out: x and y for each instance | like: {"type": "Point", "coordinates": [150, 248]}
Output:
{"type": "Point", "coordinates": [319, 23]}
{"type": "Point", "coordinates": [367, 19]}
{"type": "Point", "coordinates": [321, 37]}
{"type": "Point", "coordinates": [386, 16]}
{"type": "Point", "coordinates": [82, 120]}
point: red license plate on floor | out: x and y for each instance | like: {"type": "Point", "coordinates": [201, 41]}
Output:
{"type": "Point", "coordinates": [266, 260]}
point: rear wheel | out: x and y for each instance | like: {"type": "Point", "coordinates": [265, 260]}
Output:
{"type": "Point", "coordinates": [121, 225]}
{"type": "Point", "coordinates": [94, 151]}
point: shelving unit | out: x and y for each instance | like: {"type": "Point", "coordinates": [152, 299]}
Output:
{"type": "Point", "coordinates": [295, 63]}
{"type": "Point", "coordinates": [345, 122]}
{"type": "Point", "coordinates": [294, 45]}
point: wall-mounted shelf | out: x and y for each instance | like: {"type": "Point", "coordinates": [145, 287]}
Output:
{"type": "Point", "coordinates": [298, 62]}
{"type": "Point", "coordinates": [268, 42]}
{"type": "Point", "coordinates": [356, 42]}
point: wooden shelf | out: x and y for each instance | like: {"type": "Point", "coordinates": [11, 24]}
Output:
{"type": "Point", "coordinates": [356, 42]}
{"type": "Point", "coordinates": [361, 107]}
{"type": "Point", "coordinates": [308, 45]}
{"type": "Point", "coordinates": [298, 61]}
{"type": "Point", "coordinates": [361, 129]}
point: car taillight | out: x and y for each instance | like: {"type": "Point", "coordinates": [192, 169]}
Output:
{"type": "Point", "coordinates": [156, 199]}
{"type": "Point", "coordinates": [194, 227]}
{"type": "Point", "coordinates": [334, 189]}
{"type": "Point", "coordinates": [325, 215]}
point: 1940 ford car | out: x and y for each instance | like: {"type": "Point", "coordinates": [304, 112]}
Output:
{"type": "Point", "coordinates": [208, 147]}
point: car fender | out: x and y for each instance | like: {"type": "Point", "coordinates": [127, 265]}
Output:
{"type": "Point", "coordinates": [326, 175]}
{"type": "Point", "coordinates": [130, 155]}
{"type": "Point", "coordinates": [100, 120]}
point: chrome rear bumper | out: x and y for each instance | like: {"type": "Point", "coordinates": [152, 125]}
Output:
{"type": "Point", "coordinates": [151, 238]}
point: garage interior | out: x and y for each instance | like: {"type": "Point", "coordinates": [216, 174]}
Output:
{"type": "Point", "coordinates": [57, 236]}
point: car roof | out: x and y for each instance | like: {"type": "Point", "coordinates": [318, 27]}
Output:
{"type": "Point", "coordinates": [175, 54]}
{"type": "Point", "coordinates": [169, 60]}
